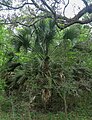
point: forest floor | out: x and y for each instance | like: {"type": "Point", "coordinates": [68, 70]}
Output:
{"type": "Point", "coordinates": [26, 115]}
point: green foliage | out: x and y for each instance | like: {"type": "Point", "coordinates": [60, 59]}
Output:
{"type": "Point", "coordinates": [72, 32]}
{"type": "Point", "coordinates": [56, 61]}
{"type": "Point", "coordinates": [5, 43]}
{"type": "Point", "coordinates": [44, 31]}
{"type": "Point", "coordinates": [22, 39]}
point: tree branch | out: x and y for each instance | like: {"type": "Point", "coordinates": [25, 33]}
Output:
{"type": "Point", "coordinates": [48, 12]}
{"type": "Point", "coordinates": [65, 8]}
{"type": "Point", "coordinates": [86, 21]}
{"type": "Point", "coordinates": [68, 22]}
{"type": "Point", "coordinates": [85, 2]}
{"type": "Point", "coordinates": [22, 24]}
{"type": "Point", "coordinates": [11, 7]}
{"type": "Point", "coordinates": [53, 12]}
{"type": "Point", "coordinates": [40, 8]}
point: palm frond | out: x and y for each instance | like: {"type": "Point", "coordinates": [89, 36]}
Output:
{"type": "Point", "coordinates": [45, 31]}
{"type": "Point", "coordinates": [72, 33]}
{"type": "Point", "coordinates": [22, 39]}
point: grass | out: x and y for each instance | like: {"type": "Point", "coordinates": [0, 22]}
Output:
{"type": "Point", "coordinates": [20, 111]}
{"type": "Point", "coordinates": [23, 113]}
{"type": "Point", "coordinates": [41, 116]}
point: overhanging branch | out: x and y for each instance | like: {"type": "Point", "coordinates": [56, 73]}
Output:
{"type": "Point", "coordinates": [48, 12]}
{"type": "Point", "coordinates": [86, 21]}
{"type": "Point", "coordinates": [11, 7]}
{"type": "Point", "coordinates": [53, 12]}
{"type": "Point", "coordinates": [40, 8]}
{"type": "Point", "coordinates": [65, 8]}
{"type": "Point", "coordinates": [85, 2]}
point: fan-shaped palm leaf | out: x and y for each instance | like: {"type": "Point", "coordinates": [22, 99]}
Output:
{"type": "Point", "coordinates": [22, 39]}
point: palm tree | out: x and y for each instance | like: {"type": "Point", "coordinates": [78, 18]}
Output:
{"type": "Point", "coordinates": [44, 31]}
